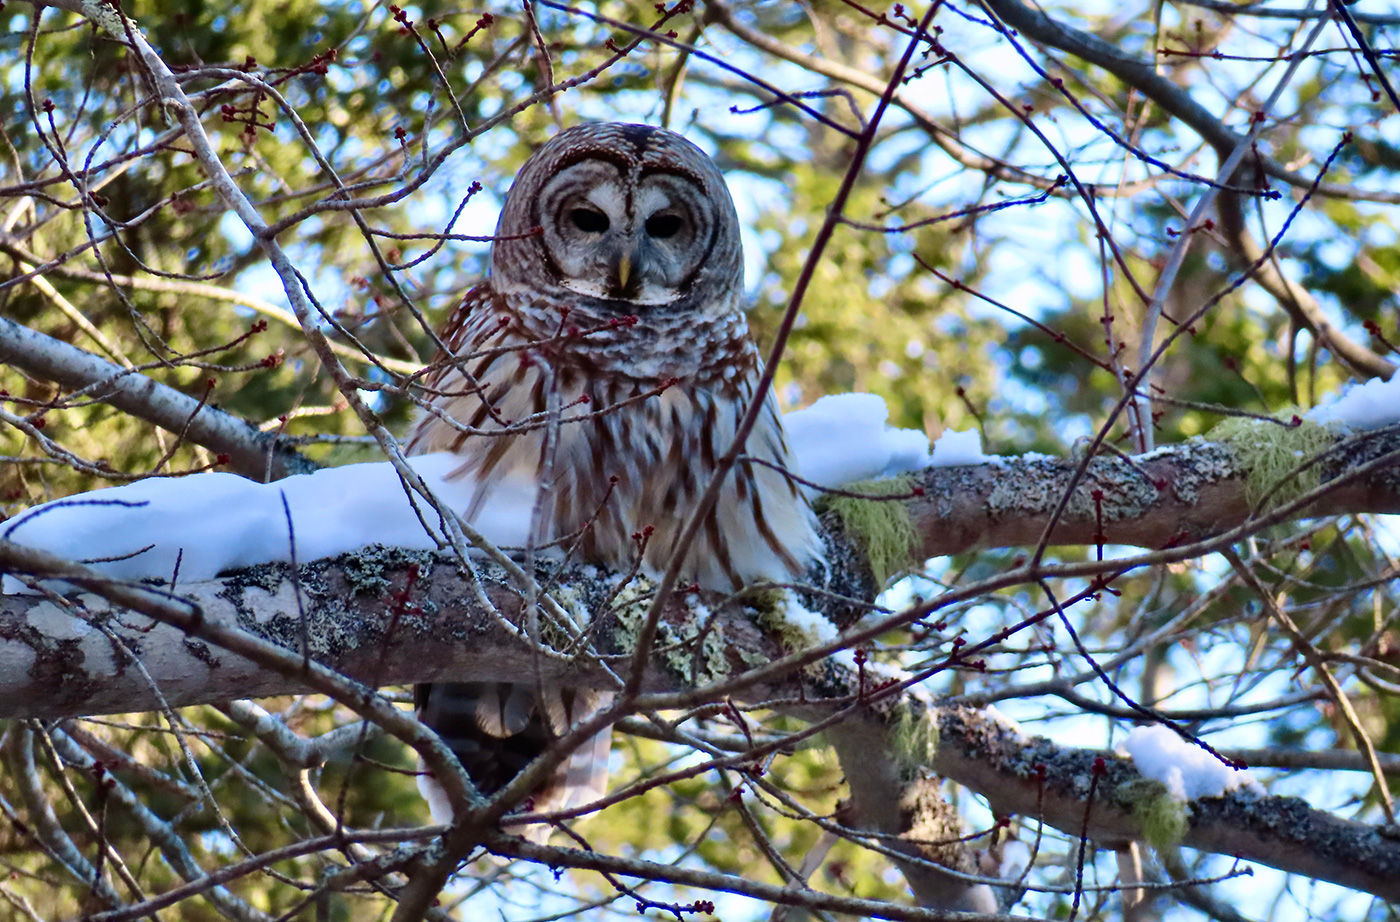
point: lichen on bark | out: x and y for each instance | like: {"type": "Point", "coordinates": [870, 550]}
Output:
{"type": "Point", "coordinates": [882, 526]}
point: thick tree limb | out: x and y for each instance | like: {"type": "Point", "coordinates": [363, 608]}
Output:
{"type": "Point", "coordinates": [358, 618]}
{"type": "Point", "coordinates": [336, 611]}
{"type": "Point", "coordinates": [1177, 494]}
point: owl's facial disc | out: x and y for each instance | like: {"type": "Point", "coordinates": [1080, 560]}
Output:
{"type": "Point", "coordinates": [618, 238]}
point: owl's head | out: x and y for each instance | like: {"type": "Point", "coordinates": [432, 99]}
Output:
{"type": "Point", "coordinates": [633, 219]}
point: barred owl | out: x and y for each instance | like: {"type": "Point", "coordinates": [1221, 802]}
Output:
{"type": "Point", "coordinates": [613, 304]}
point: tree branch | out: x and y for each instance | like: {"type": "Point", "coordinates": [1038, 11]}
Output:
{"type": "Point", "coordinates": [1177, 494]}
{"type": "Point", "coordinates": [386, 617]}
{"type": "Point", "coordinates": [252, 453]}
{"type": "Point", "coordinates": [1144, 77]}
{"type": "Point", "coordinates": [1283, 832]}
{"type": "Point", "coordinates": [1244, 251]}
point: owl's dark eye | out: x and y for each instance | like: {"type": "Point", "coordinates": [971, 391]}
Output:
{"type": "Point", "coordinates": [589, 221]}
{"type": "Point", "coordinates": [662, 226]}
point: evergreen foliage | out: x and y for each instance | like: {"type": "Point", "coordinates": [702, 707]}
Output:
{"type": "Point", "coordinates": [970, 282]}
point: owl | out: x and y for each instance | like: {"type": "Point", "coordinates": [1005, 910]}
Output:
{"type": "Point", "coordinates": [604, 366]}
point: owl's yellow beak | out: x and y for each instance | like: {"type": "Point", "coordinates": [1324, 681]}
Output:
{"type": "Point", "coordinates": [624, 269]}
{"type": "Point", "coordinates": [626, 278]}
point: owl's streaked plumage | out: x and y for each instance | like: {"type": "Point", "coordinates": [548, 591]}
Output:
{"type": "Point", "coordinates": [613, 303]}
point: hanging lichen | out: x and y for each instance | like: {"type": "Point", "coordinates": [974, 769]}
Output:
{"type": "Point", "coordinates": [882, 527]}
{"type": "Point", "coordinates": [1269, 455]}
{"type": "Point", "coordinates": [1163, 818]}
{"type": "Point", "coordinates": [914, 740]}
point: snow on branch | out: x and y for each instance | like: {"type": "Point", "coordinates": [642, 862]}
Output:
{"type": "Point", "coordinates": [389, 617]}
{"type": "Point", "coordinates": [1065, 787]}
{"type": "Point", "coordinates": [192, 528]}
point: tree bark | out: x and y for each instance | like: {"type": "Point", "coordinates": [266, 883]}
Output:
{"type": "Point", "coordinates": [388, 617]}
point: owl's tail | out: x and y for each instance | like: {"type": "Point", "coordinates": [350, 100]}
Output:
{"type": "Point", "coordinates": [497, 728]}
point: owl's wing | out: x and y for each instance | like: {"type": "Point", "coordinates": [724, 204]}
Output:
{"type": "Point", "coordinates": [497, 728]}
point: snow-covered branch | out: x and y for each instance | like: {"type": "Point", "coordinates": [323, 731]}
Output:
{"type": "Point", "coordinates": [1033, 776]}
{"type": "Point", "coordinates": [390, 617]}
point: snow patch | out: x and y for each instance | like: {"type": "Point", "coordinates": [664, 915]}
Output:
{"type": "Point", "coordinates": [198, 526]}
{"type": "Point", "coordinates": [817, 629]}
{"type": "Point", "coordinates": [813, 625]}
{"type": "Point", "coordinates": [1368, 405]}
{"type": "Point", "coordinates": [956, 448]}
{"type": "Point", "coordinates": [844, 438]}
{"type": "Point", "coordinates": [1007, 723]}
{"type": "Point", "coordinates": [206, 523]}
{"type": "Point", "coordinates": [1188, 771]}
